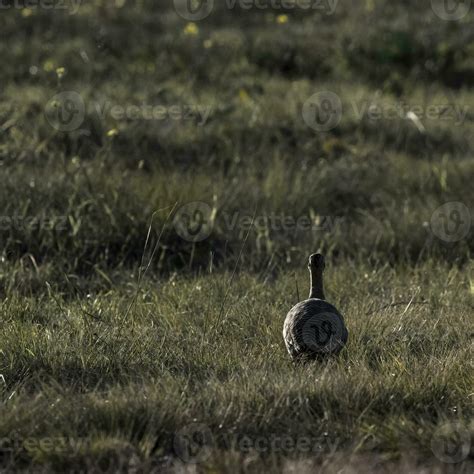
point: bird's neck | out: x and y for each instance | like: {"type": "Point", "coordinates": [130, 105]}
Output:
{"type": "Point", "coordinates": [317, 288]}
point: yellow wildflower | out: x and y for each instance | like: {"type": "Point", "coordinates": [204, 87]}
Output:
{"type": "Point", "coordinates": [112, 133]}
{"type": "Point", "coordinates": [244, 96]}
{"type": "Point", "coordinates": [191, 29]}
{"type": "Point", "coordinates": [48, 65]}
{"type": "Point", "coordinates": [60, 71]}
{"type": "Point", "coordinates": [282, 19]}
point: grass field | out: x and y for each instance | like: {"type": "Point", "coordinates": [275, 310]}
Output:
{"type": "Point", "coordinates": [163, 182]}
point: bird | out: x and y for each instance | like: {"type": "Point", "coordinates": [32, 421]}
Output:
{"type": "Point", "coordinates": [314, 328]}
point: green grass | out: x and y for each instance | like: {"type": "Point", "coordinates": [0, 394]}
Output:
{"type": "Point", "coordinates": [107, 367]}
{"type": "Point", "coordinates": [191, 351]}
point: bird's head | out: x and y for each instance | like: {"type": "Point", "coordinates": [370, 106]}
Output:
{"type": "Point", "coordinates": [316, 262]}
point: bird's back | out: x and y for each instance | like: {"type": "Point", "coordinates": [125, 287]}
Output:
{"type": "Point", "coordinates": [314, 327]}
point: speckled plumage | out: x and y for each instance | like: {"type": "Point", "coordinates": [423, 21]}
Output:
{"type": "Point", "coordinates": [314, 328]}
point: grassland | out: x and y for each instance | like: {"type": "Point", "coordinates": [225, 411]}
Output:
{"type": "Point", "coordinates": [120, 339]}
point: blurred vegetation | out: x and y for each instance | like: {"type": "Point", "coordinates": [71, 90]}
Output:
{"type": "Point", "coordinates": [255, 154]}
